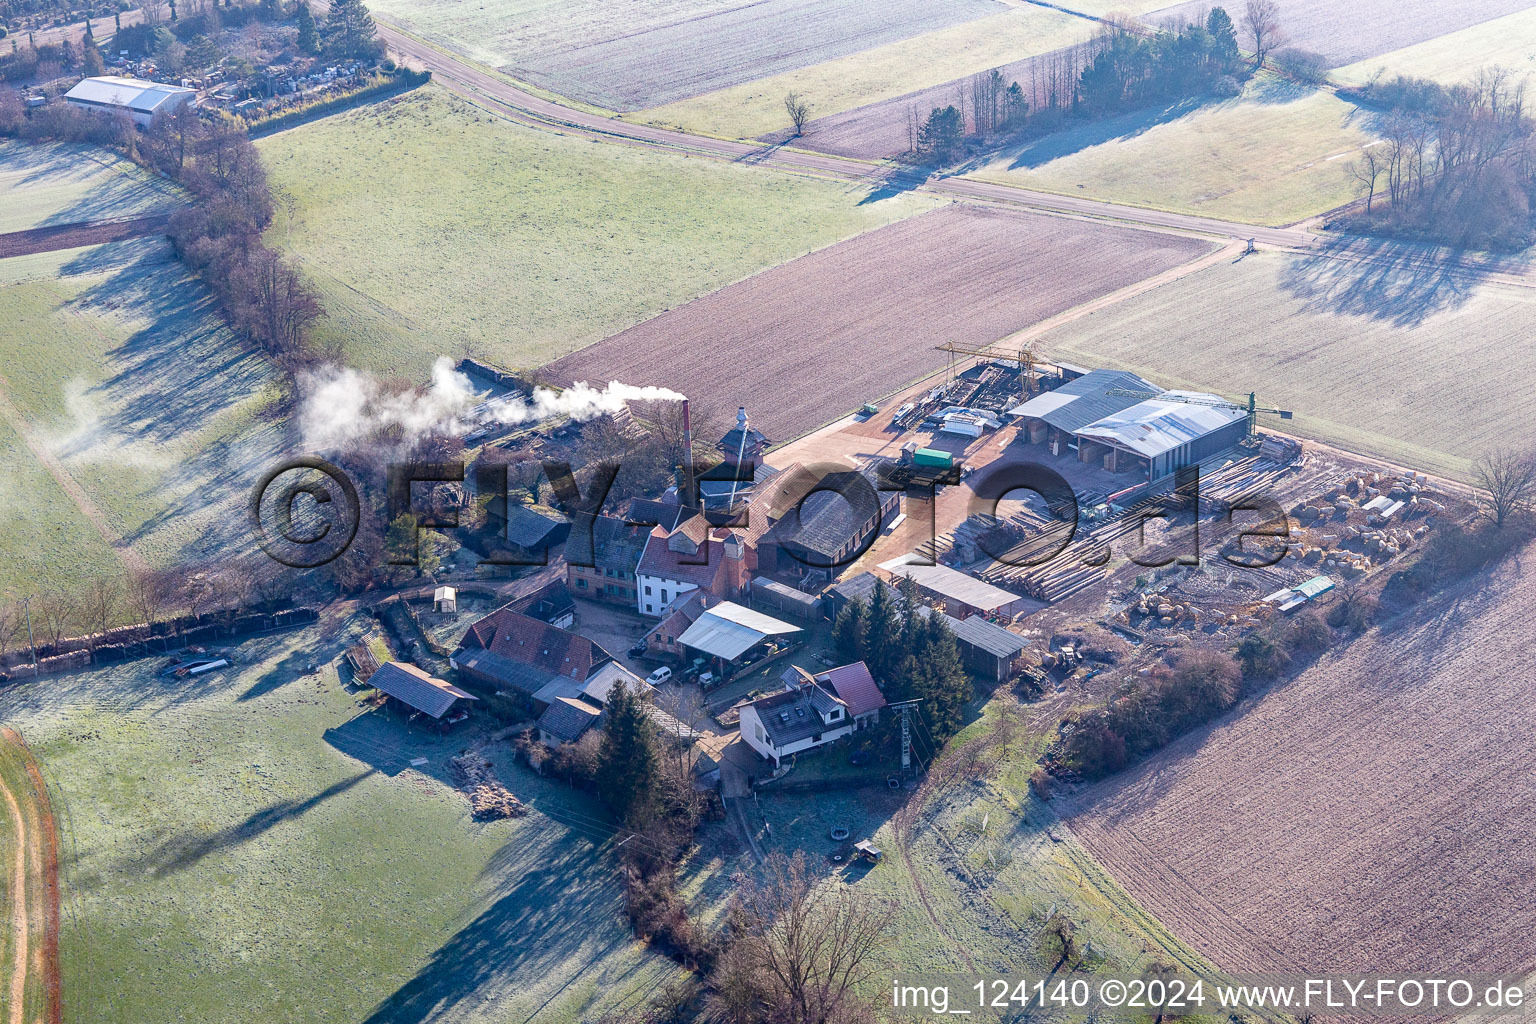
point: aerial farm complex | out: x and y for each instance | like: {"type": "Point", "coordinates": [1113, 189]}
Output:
{"type": "Point", "coordinates": [772, 512]}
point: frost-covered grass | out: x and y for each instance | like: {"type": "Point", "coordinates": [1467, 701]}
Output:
{"type": "Point", "coordinates": [254, 844]}
{"type": "Point", "coordinates": [433, 228]}
{"type": "Point", "coordinates": [55, 183]}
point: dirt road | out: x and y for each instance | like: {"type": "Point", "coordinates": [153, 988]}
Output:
{"type": "Point", "coordinates": [33, 868]}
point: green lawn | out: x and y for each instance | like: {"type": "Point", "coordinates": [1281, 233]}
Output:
{"type": "Point", "coordinates": [881, 73]}
{"type": "Point", "coordinates": [1386, 358]}
{"type": "Point", "coordinates": [1509, 42]}
{"type": "Point", "coordinates": [61, 184]}
{"type": "Point", "coordinates": [1275, 155]}
{"type": "Point", "coordinates": [254, 845]}
{"type": "Point", "coordinates": [433, 228]}
{"type": "Point", "coordinates": [118, 364]}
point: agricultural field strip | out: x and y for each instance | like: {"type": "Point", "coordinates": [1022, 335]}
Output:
{"type": "Point", "coordinates": [42, 185]}
{"type": "Point", "coordinates": [807, 313]}
{"type": "Point", "coordinates": [1508, 42]}
{"type": "Point", "coordinates": [1346, 33]}
{"type": "Point", "coordinates": [895, 72]}
{"type": "Point", "coordinates": [624, 64]}
{"type": "Point", "coordinates": [505, 98]}
{"type": "Point", "coordinates": [1375, 796]}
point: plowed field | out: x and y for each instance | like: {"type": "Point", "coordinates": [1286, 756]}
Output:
{"type": "Point", "coordinates": [1372, 815]}
{"type": "Point", "coordinates": [810, 340]}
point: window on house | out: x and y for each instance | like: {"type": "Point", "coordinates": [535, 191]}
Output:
{"type": "Point", "coordinates": [648, 608]}
{"type": "Point", "coordinates": [836, 714]}
{"type": "Point", "coordinates": [761, 736]}
{"type": "Point", "coordinates": [647, 593]}
{"type": "Point", "coordinates": [663, 596]}
{"type": "Point", "coordinates": [581, 583]}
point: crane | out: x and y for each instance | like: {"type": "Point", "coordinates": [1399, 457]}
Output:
{"type": "Point", "coordinates": [1025, 358]}
{"type": "Point", "coordinates": [1251, 407]}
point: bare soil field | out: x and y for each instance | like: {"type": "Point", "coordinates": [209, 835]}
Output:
{"type": "Point", "coordinates": [874, 307]}
{"type": "Point", "coordinates": [1372, 814]}
{"type": "Point", "coordinates": [1346, 32]}
{"type": "Point", "coordinates": [73, 236]}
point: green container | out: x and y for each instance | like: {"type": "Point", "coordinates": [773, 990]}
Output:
{"type": "Point", "coordinates": [931, 457]}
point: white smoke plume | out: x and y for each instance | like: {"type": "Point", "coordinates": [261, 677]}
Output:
{"type": "Point", "coordinates": [342, 405]}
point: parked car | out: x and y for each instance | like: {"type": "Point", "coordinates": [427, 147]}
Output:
{"type": "Point", "coordinates": [660, 676]}
{"type": "Point", "coordinates": [639, 649]}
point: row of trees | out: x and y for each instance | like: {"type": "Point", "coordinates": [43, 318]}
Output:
{"type": "Point", "coordinates": [54, 615]}
{"type": "Point", "coordinates": [1456, 164]}
{"type": "Point", "coordinates": [913, 655]}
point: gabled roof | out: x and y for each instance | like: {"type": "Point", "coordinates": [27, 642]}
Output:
{"type": "Point", "coordinates": [539, 645]}
{"type": "Point", "coordinates": [567, 719]}
{"type": "Point", "coordinates": [824, 514]}
{"type": "Point", "coordinates": [683, 612]}
{"type": "Point", "coordinates": [548, 603]}
{"type": "Point", "coordinates": [409, 684]}
{"type": "Point", "coordinates": [1080, 402]}
{"type": "Point", "coordinates": [796, 714]}
{"type": "Point", "coordinates": [729, 630]}
{"type": "Point", "coordinates": [953, 584]}
{"type": "Point", "coordinates": [855, 687]}
{"type": "Point", "coordinates": [532, 528]}
{"type": "Point", "coordinates": [1156, 426]}
{"type": "Point", "coordinates": [987, 636]}
{"type": "Point", "coordinates": [615, 544]}
{"type": "Point", "coordinates": [134, 93]}
{"type": "Point", "coordinates": [700, 568]}
{"type": "Point", "coordinates": [602, 682]}
{"type": "Point", "coordinates": [664, 512]}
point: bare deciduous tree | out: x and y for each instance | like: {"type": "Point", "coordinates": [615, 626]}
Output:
{"type": "Point", "coordinates": [799, 112]}
{"type": "Point", "coordinates": [100, 604]}
{"type": "Point", "coordinates": [56, 612]}
{"type": "Point", "coordinates": [799, 951]}
{"type": "Point", "coordinates": [1508, 479]}
{"type": "Point", "coordinates": [1262, 20]}
{"type": "Point", "coordinates": [1367, 171]}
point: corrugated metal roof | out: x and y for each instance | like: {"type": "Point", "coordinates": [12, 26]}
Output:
{"type": "Point", "coordinates": [942, 580]}
{"type": "Point", "coordinates": [1156, 426]}
{"type": "Point", "coordinates": [133, 93]}
{"type": "Point", "coordinates": [987, 636]}
{"type": "Point", "coordinates": [1080, 402]}
{"type": "Point", "coordinates": [729, 630]}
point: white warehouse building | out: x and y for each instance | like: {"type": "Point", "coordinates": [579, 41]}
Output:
{"type": "Point", "coordinates": [140, 99]}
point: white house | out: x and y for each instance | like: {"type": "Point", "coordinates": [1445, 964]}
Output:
{"type": "Point", "coordinates": [140, 99]}
{"type": "Point", "coordinates": [800, 718]}
{"type": "Point", "coordinates": [694, 556]}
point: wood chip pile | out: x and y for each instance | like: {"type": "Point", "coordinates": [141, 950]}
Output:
{"type": "Point", "coordinates": [488, 798]}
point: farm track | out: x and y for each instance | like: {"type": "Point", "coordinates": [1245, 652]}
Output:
{"type": "Point", "coordinates": [500, 95]}
{"type": "Point", "coordinates": [35, 896]}
{"type": "Point", "coordinates": [73, 236]}
{"type": "Point", "coordinates": [89, 509]}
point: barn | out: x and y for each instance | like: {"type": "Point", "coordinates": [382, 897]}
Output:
{"type": "Point", "coordinates": [139, 99]}
{"type": "Point", "coordinates": [1128, 425]}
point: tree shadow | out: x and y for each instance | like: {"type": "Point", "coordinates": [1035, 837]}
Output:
{"type": "Point", "coordinates": [1397, 282]}
{"type": "Point", "coordinates": [181, 852]}
{"type": "Point", "coordinates": [1042, 149]}
{"type": "Point", "coordinates": [279, 675]}
{"type": "Point", "coordinates": [531, 929]}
